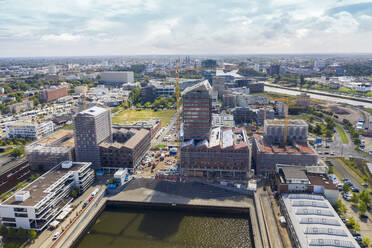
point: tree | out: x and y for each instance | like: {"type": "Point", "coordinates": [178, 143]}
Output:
{"type": "Point", "coordinates": [366, 242]}
{"type": "Point", "coordinates": [12, 233]}
{"type": "Point", "coordinates": [135, 96]}
{"type": "Point", "coordinates": [346, 188]}
{"type": "Point", "coordinates": [355, 198]}
{"type": "Point", "coordinates": [362, 208]}
{"type": "Point", "coordinates": [340, 207]}
{"type": "Point", "coordinates": [74, 193]}
{"type": "Point", "coordinates": [147, 105]}
{"type": "Point", "coordinates": [3, 231]}
{"type": "Point", "coordinates": [318, 129]}
{"type": "Point", "coordinates": [16, 152]}
{"type": "Point", "coordinates": [351, 223]}
{"type": "Point", "coordinates": [22, 233]}
{"type": "Point", "coordinates": [365, 197]}
{"type": "Point", "coordinates": [32, 235]}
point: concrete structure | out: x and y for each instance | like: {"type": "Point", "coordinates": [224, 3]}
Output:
{"type": "Point", "coordinates": [225, 156]}
{"type": "Point", "coordinates": [319, 65]}
{"type": "Point", "coordinates": [37, 204]}
{"type": "Point", "coordinates": [83, 89]}
{"type": "Point", "coordinates": [21, 106]}
{"type": "Point", "coordinates": [249, 115]}
{"type": "Point", "coordinates": [52, 94]}
{"type": "Point", "coordinates": [120, 175]}
{"type": "Point", "coordinates": [303, 100]}
{"type": "Point", "coordinates": [223, 120]}
{"type": "Point", "coordinates": [229, 100]}
{"type": "Point", "coordinates": [305, 179]}
{"type": "Point", "coordinates": [244, 100]}
{"type": "Point", "coordinates": [312, 222]}
{"type": "Point", "coordinates": [52, 69]}
{"type": "Point", "coordinates": [153, 126]}
{"type": "Point", "coordinates": [28, 129]}
{"type": "Point", "coordinates": [127, 150]}
{"type": "Point", "coordinates": [46, 153]}
{"type": "Point", "coordinates": [116, 78]}
{"type": "Point", "coordinates": [197, 107]}
{"type": "Point", "coordinates": [274, 69]}
{"type": "Point", "coordinates": [296, 131]}
{"type": "Point", "coordinates": [266, 155]}
{"type": "Point", "coordinates": [219, 85]}
{"type": "Point", "coordinates": [91, 128]}
{"type": "Point", "coordinates": [12, 172]}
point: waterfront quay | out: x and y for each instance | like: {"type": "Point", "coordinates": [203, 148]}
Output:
{"type": "Point", "coordinates": [154, 194]}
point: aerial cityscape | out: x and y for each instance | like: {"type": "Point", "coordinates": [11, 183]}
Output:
{"type": "Point", "coordinates": [189, 124]}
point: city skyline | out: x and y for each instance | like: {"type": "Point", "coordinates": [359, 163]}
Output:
{"type": "Point", "coordinates": [87, 28]}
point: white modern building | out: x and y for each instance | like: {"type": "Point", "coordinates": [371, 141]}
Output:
{"type": "Point", "coordinates": [312, 222]}
{"type": "Point", "coordinates": [38, 204]}
{"type": "Point", "coordinates": [117, 78]}
{"type": "Point", "coordinates": [28, 129]}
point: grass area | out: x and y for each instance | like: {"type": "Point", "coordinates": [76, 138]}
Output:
{"type": "Point", "coordinates": [343, 135]}
{"type": "Point", "coordinates": [353, 170]}
{"type": "Point", "coordinates": [130, 115]}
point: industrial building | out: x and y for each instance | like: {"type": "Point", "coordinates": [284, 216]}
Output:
{"type": "Point", "coordinates": [248, 115]}
{"type": "Point", "coordinates": [38, 204]}
{"type": "Point", "coordinates": [46, 153]}
{"type": "Point", "coordinates": [226, 155]}
{"type": "Point", "coordinates": [21, 106]}
{"type": "Point", "coordinates": [12, 172]}
{"type": "Point", "coordinates": [116, 79]}
{"type": "Point", "coordinates": [305, 179]}
{"type": "Point", "coordinates": [32, 130]}
{"type": "Point", "coordinates": [197, 111]}
{"type": "Point", "coordinates": [91, 128]}
{"type": "Point", "coordinates": [127, 150]}
{"type": "Point", "coordinates": [313, 222]}
{"type": "Point", "coordinates": [53, 93]}
{"type": "Point", "coordinates": [296, 131]}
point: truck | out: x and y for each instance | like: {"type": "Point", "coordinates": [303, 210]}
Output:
{"type": "Point", "coordinates": [94, 193]}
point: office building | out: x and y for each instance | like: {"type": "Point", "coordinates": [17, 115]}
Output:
{"type": "Point", "coordinates": [53, 94]}
{"type": "Point", "coordinates": [319, 65]}
{"type": "Point", "coordinates": [313, 222]}
{"type": "Point", "coordinates": [155, 90]}
{"type": "Point", "coordinates": [91, 128]}
{"type": "Point", "coordinates": [197, 107]}
{"type": "Point", "coordinates": [116, 79]}
{"type": "Point", "coordinates": [12, 172]}
{"type": "Point", "coordinates": [28, 129]}
{"type": "Point", "coordinates": [226, 155]}
{"type": "Point", "coordinates": [21, 106]}
{"type": "Point", "coordinates": [41, 201]}
{"type": "Point", "coordinates": [127, 150]}
{"type": "Point", "coordinates": [51, 150]}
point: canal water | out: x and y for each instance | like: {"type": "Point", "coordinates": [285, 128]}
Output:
{"type": "Point", "coordinates": [130, 228]}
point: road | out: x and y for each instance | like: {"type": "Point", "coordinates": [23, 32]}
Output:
{"type": "Point", "coordinates": [167, 128]}
{"type": "Point", "coordinates": [295, 92]}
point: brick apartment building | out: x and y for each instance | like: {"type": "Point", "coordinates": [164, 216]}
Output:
{"type": "Point", "coordinates": [49, 95]}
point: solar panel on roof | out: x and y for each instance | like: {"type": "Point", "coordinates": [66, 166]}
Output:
{"type": "Point", "coordinates": [331, 242]}
{"type": "Point", "coordinates": [309, 203]}
{"type": "Point", "coordinates": [312, 211]}
{"type": "Point", "coordinates": [322, 221]}
{"type": "Point", "coordinates": [327, 231]}
{"type": "Point", "coordinates": [306, 197]}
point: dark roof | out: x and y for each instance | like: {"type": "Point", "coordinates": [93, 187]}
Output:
{"type": "Point", "coordinates": [294, 172]}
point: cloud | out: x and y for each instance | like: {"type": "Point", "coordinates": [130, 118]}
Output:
{"type": "Point", "coordinates": [61, 37]}
{"type": "Point", "coordinates": [89, 27]}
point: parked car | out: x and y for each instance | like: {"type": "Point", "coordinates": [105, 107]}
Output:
{"type": "Point", "coordinates": [56, 235]}
{"type": "Point", "coordinates": [365, 184]}
{"type": "Point", "coordinates": [364, 216]}
{"type": "Point", "coordinates": [354, 189]}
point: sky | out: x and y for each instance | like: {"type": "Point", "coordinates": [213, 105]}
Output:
{"type": "Point", "coordinates": [140, 27]}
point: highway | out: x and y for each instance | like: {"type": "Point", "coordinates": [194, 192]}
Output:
{"type": "Point", "coordinates": [336, 99]}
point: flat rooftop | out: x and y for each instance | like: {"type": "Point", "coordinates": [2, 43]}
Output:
{"type": "Point", "coordinates": [315, 222]}
{"type": "Point", "coordinates": [93, 111]}
{"type": "Point", "coordinates": [299, 149]}
{"type": "Point", "coordinates": [60, 134]}
{"type": "Point", "coordinates": [38, 188]}
{"type": "Point", "coordinates": [290, 122]}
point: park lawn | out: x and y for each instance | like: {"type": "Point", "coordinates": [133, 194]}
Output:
{"type": "Point", "coordinates": [130, 116]}
{"type": "Point", "coordinates": [343, 135]}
